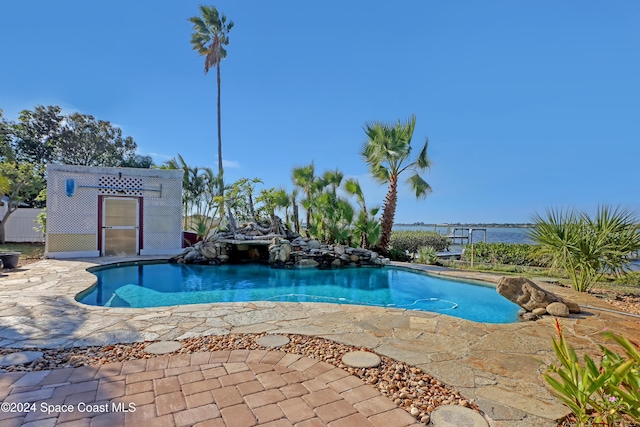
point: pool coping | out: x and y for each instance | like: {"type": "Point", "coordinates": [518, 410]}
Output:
{"type": "Point", "coordinates": [497, 365]}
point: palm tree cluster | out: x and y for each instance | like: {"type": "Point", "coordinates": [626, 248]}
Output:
{"type": "Point", "coordinates": [200, 193]}
{"type": "Point", "coordinates": [331, 218]}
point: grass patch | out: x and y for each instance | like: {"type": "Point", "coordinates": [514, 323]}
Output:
{"type": "Point", "coordinates": [30, 252]}
{"type": "Point", "coordinates": [629, 284]}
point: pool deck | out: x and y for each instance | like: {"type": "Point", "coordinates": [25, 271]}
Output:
{"type": "Point", "coordinates": [497, 365]}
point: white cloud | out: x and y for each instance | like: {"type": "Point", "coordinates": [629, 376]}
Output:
{"type": "Point", "coordinates": [230, 164]}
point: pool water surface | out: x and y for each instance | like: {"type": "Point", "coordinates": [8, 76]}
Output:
{"type": "Point", "coordinates": [157, 285]}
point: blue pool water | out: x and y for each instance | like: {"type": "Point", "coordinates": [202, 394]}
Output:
{"type": "Point", "coordinates": [157, 285]}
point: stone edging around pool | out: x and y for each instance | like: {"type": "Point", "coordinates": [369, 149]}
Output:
{"type": "Point", "coordinates": [498, 366]}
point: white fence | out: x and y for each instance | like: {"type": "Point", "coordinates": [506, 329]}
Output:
{"type": "Point", "coordinates": [20, 225]}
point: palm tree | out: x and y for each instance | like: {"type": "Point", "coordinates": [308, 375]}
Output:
{"type": "Point", "coordinates": [366, 227]}
{"type": "Point", "coordinates": [209, 38]}
{"type": "Point", "coordinates": [304, 178]}
{"type": "Point", "coordinates": [587, 248]}
{"type": "Point", "coordinates": [386, 151]}
{"type": "Point", "coordinates": [293, 197]}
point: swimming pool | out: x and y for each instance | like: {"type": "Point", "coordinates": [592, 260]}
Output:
{"type": "Point", "coordinates": [157, 285]}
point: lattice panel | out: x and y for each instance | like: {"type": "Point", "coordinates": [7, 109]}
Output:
{"type": "Point", "coordinates": [76, 214]}
{"type": "Point", "coordinates": [162, 224]}
{"type": "Point", "coordinates": [113, 185]}
{"type": "Point", "coordinates": [170, 190]}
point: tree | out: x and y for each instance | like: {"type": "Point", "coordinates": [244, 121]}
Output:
{"type": "Point", "coordinates": [367, 229]}
{"type": "Point", "coordinates": [37, 134]}
{"type": "Point", "coordinates": [89, 142]}
{"type": "Point", "coordinates": [386, 151]}
{"type": "Point", "coordinates": [304, 178]}
{"type": "Point", "coordinates": [137, 161]}
{"type": "Point", "coordinates": [18, 182]}
{"type": "Point", "coordinates": [209, 38]}
{"type": "Point", "coordinates": [199, 195]}
{"type": "Point", "coordinates": [6, 151]}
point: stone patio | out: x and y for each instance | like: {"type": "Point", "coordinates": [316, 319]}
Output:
{"type": "Point", "coordinates": [498, 366]}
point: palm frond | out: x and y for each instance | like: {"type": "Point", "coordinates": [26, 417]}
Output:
{"type": "Point", "coordinates": [420, 186]}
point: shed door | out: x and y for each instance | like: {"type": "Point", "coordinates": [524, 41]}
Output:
{"type": "Point", "coordinates": [120, 226]}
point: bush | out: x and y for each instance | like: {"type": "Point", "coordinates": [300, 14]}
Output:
{"type": "Point", "coordinates": [398, 255]}
{"type": "Point", "coordinates": [632, 278]}
{"type": "Point", "coordinates": [427, 255]}
{"type": "Point", "coordinates": [504, 253]}
{"type": "Point", "coordinates": [604, 395]}
{"type": "Point", "coordinates": [413, 240]}
{"type": "Point", "coordinates": [588, 247]}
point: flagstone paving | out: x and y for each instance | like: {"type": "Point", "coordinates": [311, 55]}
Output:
{"type": "Point", "coordinates": [499, 366]}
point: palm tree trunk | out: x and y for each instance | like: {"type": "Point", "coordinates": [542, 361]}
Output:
{"type": "Point", "coordinates": [220, 169]}
{"type": "Point", "coordinates": [296, 220]}
{"type": "Point", "coordinates": [389, 213]}
{"type": "Point", "coordinates": [308, 215]}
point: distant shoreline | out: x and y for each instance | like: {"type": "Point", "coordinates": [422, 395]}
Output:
{"type": "Point", "coordinates": [483, 225]}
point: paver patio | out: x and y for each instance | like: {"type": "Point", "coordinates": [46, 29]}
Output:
{"type": "Point", "coordinates": [498, 366]}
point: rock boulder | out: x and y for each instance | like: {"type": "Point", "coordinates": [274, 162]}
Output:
{"type": "Point", "coordinates": [558, 309]}
{"type": "Point", "coordinates": [525, 293]}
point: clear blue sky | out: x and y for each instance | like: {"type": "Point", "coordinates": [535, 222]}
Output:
{"type": "Point", "coordinates": [526, 104]}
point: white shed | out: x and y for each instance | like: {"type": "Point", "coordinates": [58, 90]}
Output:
{"type": "Point", "coordinates": [102, 211]}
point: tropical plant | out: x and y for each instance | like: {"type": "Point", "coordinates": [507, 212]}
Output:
{"type": "Point", "coordinates": [427, 255]}
{"type": "Point", "coordinates": [304, 178]}
{"type": "Point", "coordinates": [200, 202]}
{"type": "Point", "coordinates": [293, 200]}
{"type": "Point", "coordinates": [367, 229]}
{"type": "Point", "coordinates": [387, 152]}
{"type": "Point", "coordinates": [210, 35]}
{"type": "Point", "coordinates": [597, 395]}
{"type": "Point", "coordinates": [586, 248]}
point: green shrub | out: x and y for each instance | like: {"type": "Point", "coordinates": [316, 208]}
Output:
{"type": "Point", "coordinates": [413, 240]}
{"type": "Point", "coordinates": [427, 255]}
{"type": "Point", "coordinates": [605, 395]}
{"type": "Point", "coordinates": [398, 255]}
{"type": "Point", "coordinates": [631, 278]}
{"type": "Point", "coordinates": [504, 253]}
{"type": "Point", "coordinates": [588, 247]}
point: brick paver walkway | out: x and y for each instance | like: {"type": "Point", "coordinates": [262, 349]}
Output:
{"type": "Point", "coordinates": [222, 388]}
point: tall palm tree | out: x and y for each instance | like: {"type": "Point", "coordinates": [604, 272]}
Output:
{"type": "Point", "coordinates": [386, 151]}
{"type": "Point", "coordinates": [210, 35]}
